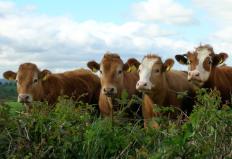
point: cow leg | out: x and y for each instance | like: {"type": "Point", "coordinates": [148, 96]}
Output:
{"type": "Point", "coordinates": [148, 113]}
{"type": "Point", "coordinates": [105, 106]}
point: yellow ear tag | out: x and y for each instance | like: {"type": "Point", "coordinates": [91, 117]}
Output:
{"type": "Point", "coordinates": [94, 70]}
{"type": "Point", "coordinates": [221, 61]}
{"type": "Point", "coordinates": [168, 68]}
{"type": "Point", "coordinates": [132, 69]}
{"type": "Point", "coordinates": [45, 78]}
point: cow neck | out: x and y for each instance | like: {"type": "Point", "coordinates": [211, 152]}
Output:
{"type": "Point", "coordinates": [210, 82]}
{"type": "Point", "coordinates": [158, 95]}
{"type": "Point", "coordinates": [39, 91]}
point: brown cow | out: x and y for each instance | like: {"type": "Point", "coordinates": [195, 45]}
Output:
{"type": "Point", "coordinates": [114, 79]}
{"type": "Point", "coordinates": [36, 85]}
{"type": "Point", "coordinates": [161, 86]}
{"type": "Point", "coordinates": [203, 70]}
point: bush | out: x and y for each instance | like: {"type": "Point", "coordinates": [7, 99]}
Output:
{"type": "Point", "coordinates": [70, 130]}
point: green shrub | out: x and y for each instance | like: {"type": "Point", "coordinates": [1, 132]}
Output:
{"type": "Point", "coordinates": [71, 130]}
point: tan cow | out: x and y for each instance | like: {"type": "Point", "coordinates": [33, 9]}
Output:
{"type": "Point", "coordinates": [36, 85]}
{"type": "Point", "coordinates": [204, 72]}
{"type": "Point", "coordinates": [161, 86]}
{"type": "Point", "coordinates": [114, 79]}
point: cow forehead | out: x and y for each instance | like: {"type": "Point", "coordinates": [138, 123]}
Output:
{"type": "Point", "coordinates": [27, 72]}
{"type": "Point", "coordinates": [202, 54]}
{"type": "Point", "coordinates": [111, 65]}
{"type": "Point", "coordinates": [148, 63]}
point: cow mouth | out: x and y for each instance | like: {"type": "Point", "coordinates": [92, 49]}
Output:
{"type": "Point", "coordinates": [143, 90]}
{"type": "Point", "coordinates": [110, 94]}
{"type": "Point", "coordinates": [25, 102]}
{"type": "Point", "coordinates": [197, 82]}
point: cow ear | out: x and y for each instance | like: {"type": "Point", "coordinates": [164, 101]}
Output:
{"type": "Point", "coordinates": [93, 65]}
{"type": "Point", "coordinates": [9, 75]}
{"type": "Point", "coordinates": [168, 65]}
{"type": "Point", "coordinates": [131, 65]}
{"type": "Point", "coordinates": [44, 74]}
{"type": "Point", "coordinates": [182, 59]}
{"type": "Point", "coordinates": [219, 58]}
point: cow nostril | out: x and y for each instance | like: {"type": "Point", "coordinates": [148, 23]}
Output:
{"type": "Point", "coordinates": [27, 97]}
{"type": "Point", "coordinates": [111, 90]}
{"type": "Point", "coordinates": [104, 89]}
{"type": "Point", "coordinates": [198, 74]}
{"type": "Point", "coordinates": [145, 84]}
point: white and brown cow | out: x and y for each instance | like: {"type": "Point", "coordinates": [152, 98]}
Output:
{"type": "Point", "coordinates": [36, 85]}
{"type": "Point", "coordinates": [162, 87]}
{"type": "Point", "coordinates": [205, 70]}
{"type": "Point", "coordinates": [114, 79]}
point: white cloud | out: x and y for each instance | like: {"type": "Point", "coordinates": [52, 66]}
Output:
{"type": "Point", "coordinates": [218, 10]}
{"type": "Point", "coordinates": [220, 15]}
{"type": "Point", "coordinates": [166, 11]}
{"type": "Point", "coordinates": [62, 43]}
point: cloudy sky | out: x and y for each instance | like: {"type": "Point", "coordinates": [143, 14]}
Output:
{"type": "Point", "coordinates": [64, 34]}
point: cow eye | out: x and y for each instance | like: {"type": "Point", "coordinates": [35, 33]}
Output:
{"type": "Point", "coordinates": [100, 71]}
{"type": "Point", "coordinates": [157, 70]}
{"type": "Point", "coordinates": [35, 80]}
{"type": "Point", "coordinates": [210, 62]}
{"type": "Point", "coordinates": [188, 62]}
{"type": "Point", "coordinates": [138, 70]}
{"type": "Point", "coordinates": [120, 72]}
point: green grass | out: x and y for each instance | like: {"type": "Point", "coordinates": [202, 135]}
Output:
{"type": "Point", "coordinates": [70, 130]}
{"type": "Point", "coordinates": [15, 107]}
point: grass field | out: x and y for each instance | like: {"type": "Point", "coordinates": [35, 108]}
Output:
{"type": "Point", "coordinates": [70, 130]}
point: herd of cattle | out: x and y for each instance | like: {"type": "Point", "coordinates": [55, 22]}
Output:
{"type": "Point", "coordinates": [153, 78]}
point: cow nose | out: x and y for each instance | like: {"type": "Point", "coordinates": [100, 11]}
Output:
{"type": "Point", "coordinates": [193, 74]}
{"type": "Point", "coordinates": [141, 85]}
{"type": "Point", "coordinates": [24, 98]}
{"type": "Point", "coordinates": [109, 90]}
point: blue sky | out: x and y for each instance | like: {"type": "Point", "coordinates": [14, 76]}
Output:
{"type": "Point", "coordinates": [81, 10]}
{"type": "Point", "coordinates": [63, 35]}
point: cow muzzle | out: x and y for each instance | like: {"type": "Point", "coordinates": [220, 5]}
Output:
{"type": "Point", "coordinates": [143, 86]}
{"type": "Point", "coordinates": [194, 75]}
{"type": "Point", "coordinates": [24, 98]}
{"type": "Point", "coordinates": [109, 91]}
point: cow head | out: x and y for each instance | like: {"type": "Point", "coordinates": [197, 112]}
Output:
{"type": "Point", "coordinates": [112, 71]}
{"type": "Point", "coordinates": [200, 63]}
{"type": "Point", "coordinates": [151, 72]}
{"type": "Point", "coordinates": [28, 79]}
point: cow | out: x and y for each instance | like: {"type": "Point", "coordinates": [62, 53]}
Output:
{"type": "Point", "coordinates": [161, 86]}
{"type": "Point", "coordinates": [205, 70]}
{"type": "Point", "coordinates": [115, 78]}
{"type": "Point", "coordinates": [36, 85]}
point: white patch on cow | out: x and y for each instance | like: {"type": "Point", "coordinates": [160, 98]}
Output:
{"type": "Point", "coordinates": [202, 55]}
{"type": "Point", "coordinates": [145, 71]}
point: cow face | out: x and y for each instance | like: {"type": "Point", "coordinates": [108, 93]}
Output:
{"type": "Point", "coordinates": [151, 72]}
{"type": "Point", "coordinates": [112, 71]}
{"type": "Point", "coordinates": [28, 79]}
{"type": "Point", "coordinates": [200, 63]}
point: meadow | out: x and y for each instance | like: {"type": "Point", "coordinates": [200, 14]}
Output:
{"type": "Point", "coordinates": [71, 130]}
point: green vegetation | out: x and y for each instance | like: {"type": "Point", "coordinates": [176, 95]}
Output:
{"type": "Point", "coordinates": [8, 91]}
{"type": "Point", "coordinates": [71, 131]}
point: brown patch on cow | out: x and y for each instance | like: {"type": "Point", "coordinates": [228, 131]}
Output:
{"type": "Point", "coordinates": [167, 87]}
{"type": "Point", "coordinates": [221, 79]}
{"type": "Point", "coordinates": [153, 56]}
{"type": "Point", "coordinates": [114, 80]}
{"type": "Point", "coordinates": [192, 60]}
{"type": "Point", "coordinates": [79, 84]}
